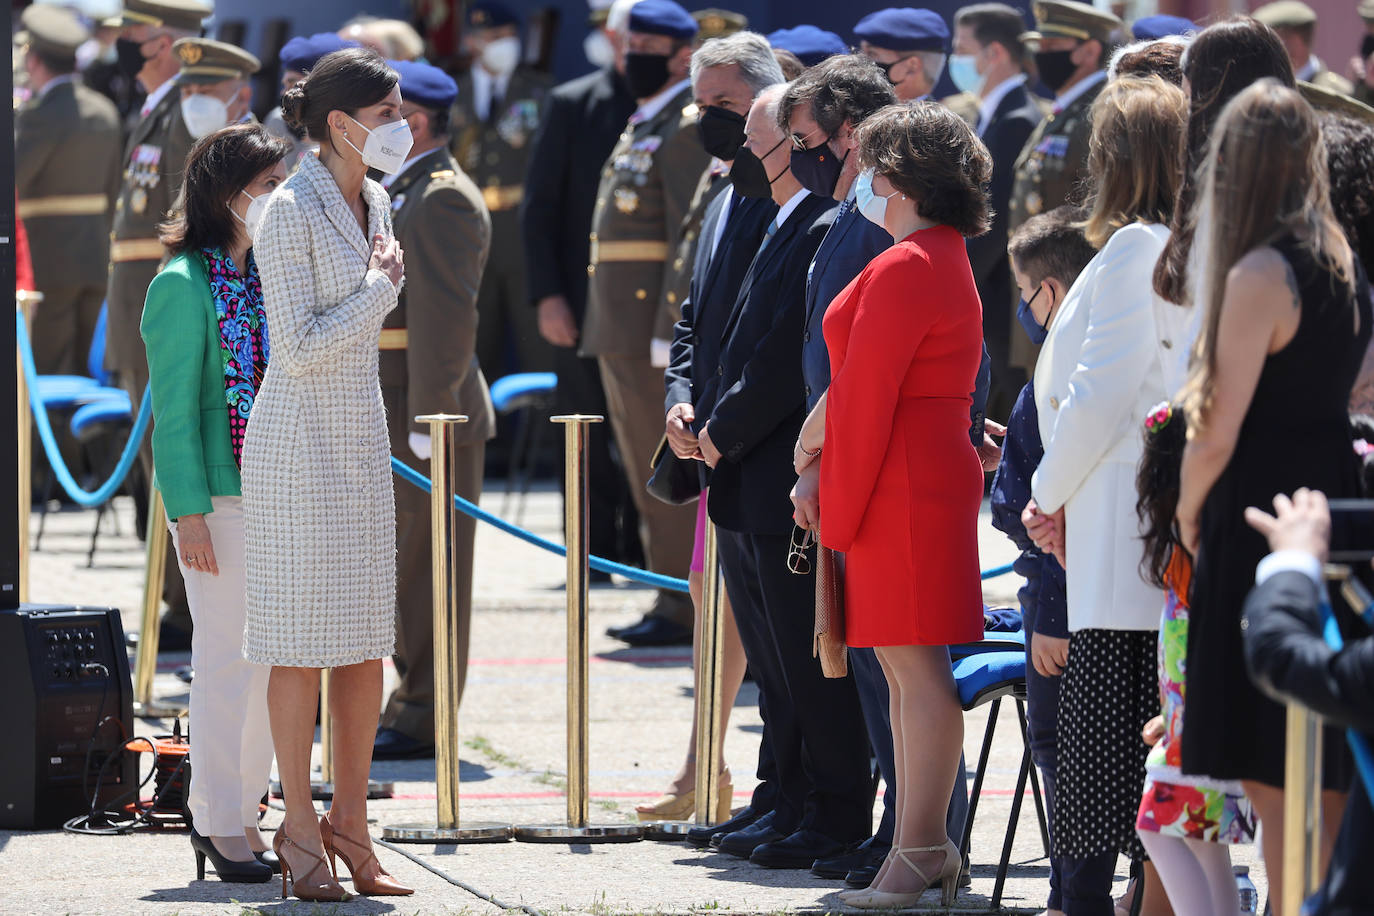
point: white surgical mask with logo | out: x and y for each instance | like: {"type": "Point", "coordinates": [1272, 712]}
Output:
{"type": "Point", "coordinates": [387, 147]}
{"type": "Point", "coordinates": [873, 207]}
{"type": "Point", "coordinates": [502, 56]}
{"type": "Point", "coordinates": [203, 114]}
{"type": "Point", "coordinates": [252, 218]}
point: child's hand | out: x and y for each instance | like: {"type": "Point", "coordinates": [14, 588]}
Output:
{"type": "Point", "coordinates": [1153, 731]}
{"type": "Point", "coordinates": [1049, 654]}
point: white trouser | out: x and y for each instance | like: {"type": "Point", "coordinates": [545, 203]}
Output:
{"type": "Point", "coordinates": [231, 742]}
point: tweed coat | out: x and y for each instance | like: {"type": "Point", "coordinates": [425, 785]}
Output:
{"type": "Point", "coordinates": [319, 509]}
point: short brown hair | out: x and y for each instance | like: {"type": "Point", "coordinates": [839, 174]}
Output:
{"type": "Point", "coordinates": [995, 23]}
{"type": "Point", "coordinates": [844, 87]}
{"type": "Point", "coordinates": [1051, 245]}
{"type": "Point", "coordinates": [931, 155]}
{"type": "Point", "coordinates": [1162, 58]}
{"type": "Point", "coordinates": [1133, 155]}
{"type": "Point", "coordinates": [218, 167]}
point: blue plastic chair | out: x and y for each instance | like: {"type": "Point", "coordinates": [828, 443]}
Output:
{"type": "Point", "coordinates": [104, 417]}
{"type": "Point", "coordinates": [532, 394]}
{"type": "Point", "coordinates": [987, 675]}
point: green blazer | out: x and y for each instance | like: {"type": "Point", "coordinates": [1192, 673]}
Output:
{"type": "Point", "coordinates": [193, 457]}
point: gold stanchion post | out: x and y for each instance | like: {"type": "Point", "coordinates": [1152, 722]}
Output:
{"type": "Point", "coordinates": [577, 829]}
{"type": "Point", "coordinates": [1301, 809]}
{"type": "Point", "coordinates": [709, 662]}
{"type": "Point", "coordinates": [444, 520]}
{"type": "Point", "coordinates": [145, 663]}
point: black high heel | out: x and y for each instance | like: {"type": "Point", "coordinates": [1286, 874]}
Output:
{"type": "Point", "coordinates": [269, 858]}
{"type": "Point", "coordinates": [250, 872]}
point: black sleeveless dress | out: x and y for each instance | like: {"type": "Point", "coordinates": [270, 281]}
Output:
{"type": "Point", "coordinates": [1295, 434]}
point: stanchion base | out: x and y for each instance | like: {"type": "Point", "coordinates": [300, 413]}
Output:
{"type": "Point", "coordinates": [562, 833]}
{"type": "Point", "coordinates": [324, 791]}
{"type": "Point", "coordinates": [667, 831]}
{"type": "Point", "coordinates": [156, 711]}
{"type": "Point", "coordinates": [474, 832]}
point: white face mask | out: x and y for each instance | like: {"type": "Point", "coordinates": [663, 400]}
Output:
{"type": "Point", "coordinates": [252, 219]}
{"type": "Point", "coordinates": [387, 147]}
{"type": "Point", "coordinates": [502, 56]}
{"type": "Point", "coordinates": [873, 207]}
{"type": "Point", "coordinates": [599, 50]}
{"type": "Point", "coordinates": [203, 114]}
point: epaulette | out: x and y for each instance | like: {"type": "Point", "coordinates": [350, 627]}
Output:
{"type": "Point", "coordinates": [442, 173]}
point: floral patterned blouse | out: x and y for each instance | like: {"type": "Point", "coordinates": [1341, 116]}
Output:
{"type": "Point", "coordinates": [243, 343]}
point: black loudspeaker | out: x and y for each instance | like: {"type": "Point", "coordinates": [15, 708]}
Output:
{"type": "Point", "coordinates": [63, 674]}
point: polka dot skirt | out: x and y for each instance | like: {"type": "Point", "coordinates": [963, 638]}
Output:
{"type": "Point", "coordinates": [1110, 691]}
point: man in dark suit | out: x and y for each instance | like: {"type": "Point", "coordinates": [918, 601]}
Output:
{"type": "Point", "coordinates": [988, 51]}
{"type": "Point", "coordinates": [583, 119]}
{"type": "Point", "coordinates": [726, 76]}
{"type": "Point", "coordinates": [820, 111]}
{"type": "Point", "coordinates": [815, 725]}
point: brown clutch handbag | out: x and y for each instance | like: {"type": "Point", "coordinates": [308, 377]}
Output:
{"type": "Point", "coordinates": [829, 638]}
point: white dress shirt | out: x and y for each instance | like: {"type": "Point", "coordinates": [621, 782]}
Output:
{"type": "Point", "coordinates": [487, 86]}
{"type": "Point", "coordinates": [988, 108]}
{"type": "Point", "coordinates": [1077, 89]}
{"type": "Point", "coordinates": [156, 96]}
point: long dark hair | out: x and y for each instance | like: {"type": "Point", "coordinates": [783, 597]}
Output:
{"type": "Point", "coordinates": [1225, 58]}
{"type": "Point", "coordinates": [218, 167]}
{"type": "Point", "coordinates": [344, 81]}
{"type": "Point", "coordinates": [1157, 483]}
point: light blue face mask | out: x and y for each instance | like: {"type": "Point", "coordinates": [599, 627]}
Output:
{"type": "Point", "coordinates": [963, 71]}
{"type": "Point", "coordinates": [873, 207]}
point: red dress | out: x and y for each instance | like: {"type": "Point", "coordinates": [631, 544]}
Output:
{"type": "Point", "coordinates": [901, 484]}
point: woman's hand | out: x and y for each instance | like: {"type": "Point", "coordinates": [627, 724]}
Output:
{"type": "Point", "coordinates": [193, 537]}
{"type": "Point", "coordinates": [389, 259]}
{"type": "Point", "coordinates": [1049, 654]}
{"type": "Point", "coordinates": [1153, 731]}
{"type": "Point", "coordinates": [806, 498]}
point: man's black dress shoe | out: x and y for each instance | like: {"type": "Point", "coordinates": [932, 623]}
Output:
{"type": "Point", "coordinates": [701, 837]}
{"type": "Point", "coordinates": [393, 745]}
{"type": "Point", "coordinates": [800, 850]}
{"type": "Point", "coordinates": [655, 631]}
{"type": "Point", "coordinates": [837, 868]}
{"type": "Point", "coordinates": [269, 858]}
{"type": "Point", "coordinates": [742, 843]}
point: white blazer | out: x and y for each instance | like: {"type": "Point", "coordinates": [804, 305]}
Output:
{"type": "Point", "coordinates": [1099, 373]}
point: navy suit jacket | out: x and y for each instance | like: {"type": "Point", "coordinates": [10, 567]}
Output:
{"type": "Point", "coordinates": [695, 353]}
{"type": "Point", "coordinates": [1006, 134]}
{"type": "Point", "coordinates": [853, 241]}
{"type": "Point", "coordinates": [759, 408]}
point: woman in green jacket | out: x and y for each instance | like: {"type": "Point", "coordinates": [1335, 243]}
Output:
{"type": "Point", "coordinates": [206, 337]}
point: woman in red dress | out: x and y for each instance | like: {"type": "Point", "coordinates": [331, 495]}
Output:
{"type": "Point", "coordinates": [901, 483]}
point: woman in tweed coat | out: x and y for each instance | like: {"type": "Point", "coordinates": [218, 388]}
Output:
{"type": "Point", "coordinates": [317, 490]}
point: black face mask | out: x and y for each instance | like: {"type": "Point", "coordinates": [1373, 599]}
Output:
{"type": "Point", "coordinates": [750, 176]}
{"type": "Point", "coordinates": [887, 69]}
{"type": "Point", "coordinates": [1055, 68]}
{"type": "Point", "coordinates": [721, 132]}
{"type": "Point", "coordinates": [818, 168]}
{"type": "Point", "coordinates": [646, 74]}
{"type": "Point", "coordinates": [130, 56]}
{"type": "Point", "coordinates": [1367, 47]}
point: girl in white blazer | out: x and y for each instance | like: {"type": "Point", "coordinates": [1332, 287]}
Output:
{"type": "Point", "coordinates": [1098, 374]}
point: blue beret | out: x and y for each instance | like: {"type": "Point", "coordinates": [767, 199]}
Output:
{"type": "Point", "coordinates": [662, 17]}
{"type": "Point", "coordinates": [425, 84]}
{"type": "Point", "coordinates": [303, 52]}
{"type": "Point", "coordinates": [904, 29]}
{"type": "Point", "coordinates": [1151, 28]}
{"type": "Point", "coordinates": [810, 44]}
{"type": "Point", "coordinates": [491, 14]}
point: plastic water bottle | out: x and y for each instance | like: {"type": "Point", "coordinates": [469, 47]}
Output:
{"type": "Point", "coordinates": [1245, 888]}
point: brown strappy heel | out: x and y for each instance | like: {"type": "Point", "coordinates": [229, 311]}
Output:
{"type": "Point", "coordinates": [327, 891]}
{"type": "Point", "coordinates": [382, 885]}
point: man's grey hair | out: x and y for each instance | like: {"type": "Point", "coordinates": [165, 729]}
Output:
{"type": "Point", "coordinates": [771, 98]}
{"type": "Point", "coordinates": [933, 62]}
{"type": "Point", "coordinates": [749, 51]}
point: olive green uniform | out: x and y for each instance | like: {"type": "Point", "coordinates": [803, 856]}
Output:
{"type": "Point", "coordinates": [428, 366]}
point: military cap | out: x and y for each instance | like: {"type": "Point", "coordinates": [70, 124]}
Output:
{"type": "Point", "coordinates": [53, 30]}
{"type": "Point", "coordinates": [491, 14]}
{"type": "Point", "coordinates": [1153, 28]}
{"type": "Point", "coordinates": [1069, 19]}
{"type": "Point", "coordinates": [811, 44]}
{"type": "Point", "coordinates": [204, 60]}
{"type": "Point", "coordinates": [662, 17]}
{"type": "Point", "coordinates": [1366, 10]}
{"type": "Point", "coordinates": [904, 29]}
{"type": "Point", "coordinates": [173, 14]}
{"type": "Point", "coordinates": [1323, 99]}
{"type": "Point", "coordinates": [425, 84]}
{"type": "Point", "coordinates": [303, 52]}
{"type": "Point", "coordinates": [715, 23]}
{"type": "Point", "coordinates": [1286, 14]}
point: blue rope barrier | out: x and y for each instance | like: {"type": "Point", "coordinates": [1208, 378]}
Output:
{"type": "Point", "coordinates": [101, 495]}
{"type": "Point", "coordinates": [413, 476]}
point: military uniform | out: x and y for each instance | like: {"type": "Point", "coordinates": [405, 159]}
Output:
{"type": "Point", "coordinates": [428, 365]}
{"type": "Point", "coordinates": [67, 156]}
{"type": "Point", "coordinates": [645, 193]}
{"type": "Point", "coordinates": [1296, 16]}
{"type": "Point", "coordinates": [495, 151]}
